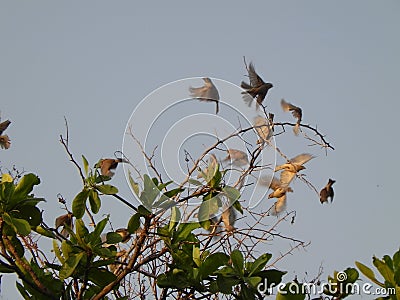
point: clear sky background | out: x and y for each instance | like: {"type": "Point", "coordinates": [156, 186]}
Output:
{"type": "Point", "coordinates": [94, 61]}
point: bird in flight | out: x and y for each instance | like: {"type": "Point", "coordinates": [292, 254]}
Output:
{"type": "Point", "coordinates": [207, 92]}
{"type": "Point", "coordinates": [238, 158]}
{"type": "Point", "coordinates": [257, 89]}
{"type": "Point", "coordinates": [296, 112]}
{"type": "Point", "coordinates": [264, 128]}
{"type": "Point", "coordinates": [327, 192]}
{"type": "Point", "coordinates": [107, 165]}
{"type": "Point", "coordinates": [279, 192]}
{"type": "Point", "coordinates": [291, 168]}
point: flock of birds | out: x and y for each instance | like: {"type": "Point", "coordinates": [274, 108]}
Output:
{"type": "Point", "coordinates": [257, 90]}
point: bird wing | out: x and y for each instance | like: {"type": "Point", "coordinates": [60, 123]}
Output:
{"type": "Point", "coordinates": [286, 178]}
{"type": "Point", "coordinates": [279, 205]}
{"type": "Point", "coordinates": [205, 92]}
{"type": "Point", "coordinates": [255, 79]}
{"type": "Point", "coordinates": [301, 159]}
{"type": "Point", "coordinates": [4, 125]}
{"type": "Point", "coordinates": [262, 128]}
{"type": "Point", "coordinates": [270, 181]}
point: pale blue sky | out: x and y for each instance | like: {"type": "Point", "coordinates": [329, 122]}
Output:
{"type": "Point", "coordinates": [93, 61]}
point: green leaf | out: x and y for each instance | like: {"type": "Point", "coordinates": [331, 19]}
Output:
{"type": "Point", "coordinates": [25, 185]}
{"type": "Point", "coordinates": [212, 263]}
{"type": "Point", "coordinates": [6, 269]}
{"type": "Point", "coordinates": [94, 201]}
{"type": "Point", "coordinates": [184, 230]}
{"type": "Point", "coordinates": [22, 291]}
{"type": "Point", "coordinates": [70, 264]}
{"type": "Point", "coordinates": [29, 213]}
{"type": "Point", "coordinates": [207, 209]}
{"type": "Point", "coordinates": [95, 235]}
{"type": "Point", "coordinates": [237, 261]}
{"type": "Point", "coordinates": [81, 231]}
{"type": "Point", "coordinates": [196, 256]}
{"type": "Point", "coordinates": [260, 263]}
{"type": "Point", "coordinates": [107, 189]}
{"type": "Point", "coordinates": [143, 211]}
{"type": "Point", "coordinates": [85, 165]}
{"type": "Point", "coordinates": [253, 281]}
{"type": "Point", "coordinates": [173, 192]}
{"type": "Point", "coordinates": [175, 218]}
{"type": "Point", "coordinates": [134, 223]}
{"type": "Point", "coordinates": [225, 284]}
{"type": "Point", "coordinates": [79, 203]}
{"type": "Point", "coordinates": [232, 193]}
{"type": "Point", "coordinates": [44, 232]}
{"type": "Point", "coordinates": [271, 277]}
{"type": "Point", "coordinates": [368, 273]}
{"type": "Point", "coordinates": [101, 276]}
{"type": "Point", "coordinates": [20, 226]}
{"type": "Point", "coordinates": [384, 269]}
{"type": "Point", "coordinates": [57, 251]}
{"type": "Point", "coordinates": [133, 183]}
{"type": "Point", "coordinates": [195, 182]}
{"type": "Point", "coordinates": [113, 238]}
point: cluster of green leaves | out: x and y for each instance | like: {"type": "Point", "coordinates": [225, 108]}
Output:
{"type": "Point", "coordinates": [208, 272]}
{"type": "Point", "coordinates": [389, 268]}
{"type": "Point", "coordinates": [19, 215]}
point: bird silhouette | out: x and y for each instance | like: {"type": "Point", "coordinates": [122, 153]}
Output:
{"type": "Point", "coordinates": [327, 192]}
{"type": "Point", "coordinates": [238, 158]}
{"type": "Point", "coordinates": [264, 129]}
{"type": "Point", "coordinates": [65, 221]}
{"type": "Point", "coordinates": [257, 89]}
{"type": "Point", "coordinates": [5, 142]}
{"type": "Point", "coordinates": [229, 218]}
{"type": "Point", "coordinates": [107, 165]}
{"type": "Point", "coordinates": [279, 192]}
{"type": "Point", "coordinates": [4, 125]}
{"type": "Point", "coordinates": [296, 112]}
{"type": "Point", "coordinates": [207, 92]}
{"type": "Point", "coordinates": [291, 168]}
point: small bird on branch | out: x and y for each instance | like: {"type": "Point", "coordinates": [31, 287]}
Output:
{"type": "Point", "coordinates": [207, 92]}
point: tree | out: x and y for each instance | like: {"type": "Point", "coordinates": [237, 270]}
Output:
{"type": "Point", "coordinates": [161, 254]}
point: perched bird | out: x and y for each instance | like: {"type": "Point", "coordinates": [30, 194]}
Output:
{"type": "Point", "coordinates": [257, 89]}
{"type": "Point", "coordinates": [296, 112]}
{"type": "Point", "coordinates": [123, 232]}
{"type": "Point", "coordinates": [238, 158]}
{"type": "Point", "coordinates": [279, 192]}
{"type": "Point", "coordinates": [65, 221]}
{"type": "Point", "coordinates": [106, 165]}
{"type": "Point", "coordinates": [264, 129]}
{"type": "Point", "coordinates": [5, 141]}
{"type": "Point", "coordinates": [327, 192]}
{"type": "Point", "coordinates": [4, 125]}
{"type": "Point", "coordinates": [207, 92]}
{"type": "Point", "coordinates": [291, 168]}
{"type": "Point", "coordinates": [229, 218]}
